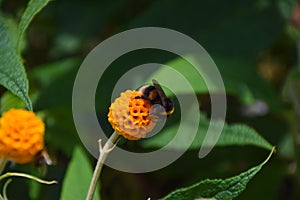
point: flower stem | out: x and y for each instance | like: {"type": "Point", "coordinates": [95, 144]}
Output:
{"type": "Point", "coordinates": [109, 145]}
{"type": "Point", "coordinates": [2, 164]}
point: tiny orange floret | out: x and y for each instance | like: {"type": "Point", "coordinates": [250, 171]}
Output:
{"type": "Point", "coordinates": [21, 135]}
{"type": "Point", "coordinates": [129, 115]}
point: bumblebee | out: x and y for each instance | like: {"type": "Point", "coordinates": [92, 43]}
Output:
{"type": "Point", "coordinates": [155, 94]}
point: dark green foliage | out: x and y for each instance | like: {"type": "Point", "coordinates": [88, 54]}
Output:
{"type": "Point", "coordinates": [42, 47]}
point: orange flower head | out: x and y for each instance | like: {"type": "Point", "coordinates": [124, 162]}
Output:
{"type": "Point", "coordinates": [129, 115]}
{"type": "Point", "coordinates": [21, 135]}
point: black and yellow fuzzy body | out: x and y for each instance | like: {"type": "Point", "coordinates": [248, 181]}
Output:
{"type": "Point", "coordinates": [155, 94]}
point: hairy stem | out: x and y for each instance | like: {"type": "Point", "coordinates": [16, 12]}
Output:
{"type": "Point", "coordinates": [109, 145]}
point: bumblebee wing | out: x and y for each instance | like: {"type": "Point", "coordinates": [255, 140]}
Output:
{"type": "Point", "coordinates": [160, 92]}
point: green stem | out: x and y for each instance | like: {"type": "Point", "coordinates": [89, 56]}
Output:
{"type": "Point", "coordinates": [2, 164]}
{"type": "Point", "coordinates": [109, 145]}
{"type": "Point", "coordinates": [10, 174]}
{"type": "Point", "coordinates": [5, 189]}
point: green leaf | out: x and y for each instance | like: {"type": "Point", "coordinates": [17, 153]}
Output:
{"type": "Point", "coordinates": [33, 7]}
{"type": "Point", "coordinates": [235, 134]}
{"type": "Point", "coordinates": [8, 101]}
{"type": "Point", "coordinates": [185, 69]}
{"type": "Point", "coordinates": [243, 82]}
{"type": "Point", "coordinates": [286, 7]}
{"type": "Point", "coordinates": [242, 30]}
{"type": "Point", "coordinates": [78, 177]}
{"type": "Point", "coordinates": [12, 27]}
{"type": "Point", "coordinates": [67, 134]}
{"type": "Point", "coordinates": [56, 80]}
{"type": "Point", "coordinates": [12, 72]}
{"type": "Point", "coordinates": [218, 189]}
{"type": "Point", "coordinates": [241, 134]}
{"type": "Point", "coordinates": [235, 38]}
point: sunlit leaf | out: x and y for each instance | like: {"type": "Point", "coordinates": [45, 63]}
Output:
{"type": "Point", "coordinates": [231, 135]}
{"type": "Point", "coordinates": [78, 177]}
{"type": "Point", "coordinates": [242, 82]}
{"type": "Point", "coordinates": [8, 101]}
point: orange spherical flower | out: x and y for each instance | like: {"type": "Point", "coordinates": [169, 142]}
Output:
{"type": "Point", "coordinates": [21, 135]}
{"type": "Point", "coordinates": [129, 115]}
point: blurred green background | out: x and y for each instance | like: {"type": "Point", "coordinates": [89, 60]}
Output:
{"type": "Point", "coordinates": [255, 44]}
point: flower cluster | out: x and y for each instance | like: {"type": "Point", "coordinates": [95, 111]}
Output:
{"type": "Point", "coordinates": [21, 135]}
{"type": "Point", "coordinates": [129, 115]}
